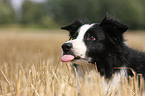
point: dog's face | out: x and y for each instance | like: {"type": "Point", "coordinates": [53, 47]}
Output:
{"type": "Point", "coordinates": [88, 41]}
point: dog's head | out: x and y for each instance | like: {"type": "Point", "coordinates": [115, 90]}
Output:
{"type": "Point", "coordinates": [88, 41]}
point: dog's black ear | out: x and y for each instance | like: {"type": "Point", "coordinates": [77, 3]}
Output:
{"type": "Point", "coordinates": [111, 24]}
{"type": "Point", "coordinates": [73, 27]}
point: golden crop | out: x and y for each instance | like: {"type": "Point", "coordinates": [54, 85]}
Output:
{"type": "Point", "coordinates": [30, 66]}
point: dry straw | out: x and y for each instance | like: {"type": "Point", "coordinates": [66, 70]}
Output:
{"type": "Point", "coordinates": [30, 66]}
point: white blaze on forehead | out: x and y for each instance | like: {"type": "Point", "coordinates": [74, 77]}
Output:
{"type": "Point", "coordinates": [79, 47]}
{"type": "Point", "coordinates": [83, 29]}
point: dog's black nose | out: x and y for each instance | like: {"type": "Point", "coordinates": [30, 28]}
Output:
{"type": "Point", "coordinates": [66, 47]}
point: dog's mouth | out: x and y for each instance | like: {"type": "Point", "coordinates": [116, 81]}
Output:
{"type": "Point", "coordinates": [68, 58]}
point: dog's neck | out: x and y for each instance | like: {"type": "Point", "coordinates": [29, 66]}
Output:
{"type": "Point", "coordinates": [106, 64]}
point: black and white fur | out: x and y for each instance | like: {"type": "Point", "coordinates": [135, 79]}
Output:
{"type": "Point", "coordinates": [102, 44]}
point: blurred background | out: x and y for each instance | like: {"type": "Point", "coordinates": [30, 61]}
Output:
{"type": "Point", "coordinates": [53, 13]}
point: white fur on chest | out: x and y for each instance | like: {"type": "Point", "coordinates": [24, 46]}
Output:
{"type": "Point", "coordinates": [84, 69]}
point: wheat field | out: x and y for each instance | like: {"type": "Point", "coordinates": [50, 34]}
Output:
{"type": "Point", "coordinates": [30, 66]}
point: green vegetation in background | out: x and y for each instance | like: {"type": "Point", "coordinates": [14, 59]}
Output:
{"type": "Point", "coordinates": [128, 11]}
{"type": "Point", "coordinates": [53, 13]}
{"type": "Point", "coordinates": [6, 13]}
{"type": "Point", "coordinates": [35, 14]}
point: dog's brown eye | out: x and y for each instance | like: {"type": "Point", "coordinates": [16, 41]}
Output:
{"type": "Point", "coordinates": [92, 38]}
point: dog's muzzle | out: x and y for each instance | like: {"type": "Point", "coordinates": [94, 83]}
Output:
{"type": "Point", "coordinates": [66, 47]}
{"type": "Point", "coordinates": [67, 54]}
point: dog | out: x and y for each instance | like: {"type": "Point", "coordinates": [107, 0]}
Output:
{"type": "Point", "coordinates": [102, 45]}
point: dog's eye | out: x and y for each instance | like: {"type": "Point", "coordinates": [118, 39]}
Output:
{"type": "Point", "coordinates": [92, 38]}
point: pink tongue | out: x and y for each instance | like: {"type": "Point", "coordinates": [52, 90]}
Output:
{"type": "Point", "coordinates": [67, 58]}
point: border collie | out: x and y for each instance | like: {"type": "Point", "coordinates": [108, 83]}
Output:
{"type": "Point", "coordinates": [102, 45]}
